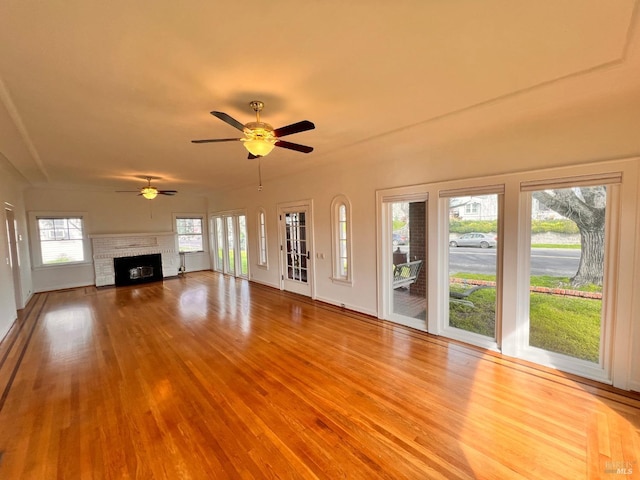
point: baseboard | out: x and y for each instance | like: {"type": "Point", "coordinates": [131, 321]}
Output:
{"type": "Point", "coordinates": [365, 311]}
{"type": "Point", "coordinates": [65, 286]}
{"type": "Point", "coordinates": [266, 284]}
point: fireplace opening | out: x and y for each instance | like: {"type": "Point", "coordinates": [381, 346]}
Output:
{"type": "Point", "coordinates": [138, 269]}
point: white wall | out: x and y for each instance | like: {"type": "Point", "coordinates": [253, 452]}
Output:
{"type": "Point", "coordinates": [110, 212]}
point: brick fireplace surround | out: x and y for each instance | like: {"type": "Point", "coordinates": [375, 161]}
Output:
{"type": "Point", "coordinates": [106, 247]}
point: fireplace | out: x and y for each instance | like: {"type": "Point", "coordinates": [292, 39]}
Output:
{"type": "Point", "coordinates": [109, 246]}
{"type": "Point", "coordinates": [137, 269]}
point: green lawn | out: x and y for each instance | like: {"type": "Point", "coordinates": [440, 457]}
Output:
{"type": "Point", "coordinates": [243, 260]}
{"type": "Point", "coordinates": [567, 325]}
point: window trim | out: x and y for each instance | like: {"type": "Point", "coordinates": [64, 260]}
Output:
{"type": "Point", "coordinates": [34, 239]}
{"type": "Point", "coordinates": [336, 275]}
{"type": "Point", "coordinates": [191, 216]}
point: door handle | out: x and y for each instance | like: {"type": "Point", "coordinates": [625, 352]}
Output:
{"type": "Point", "coordinates": [308, 255]}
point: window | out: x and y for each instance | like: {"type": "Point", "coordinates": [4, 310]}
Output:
{"type": "Point", "coordinates": [473, 269]}
{"type": "Point", "coordinates": [572, 329]}
{"type": "Point", "coordinates": [60, 239]}
{"type": "Point", "coordinates": [341, 229]}
{"type": "Point", "coordinates": [262, 238]}
{"type": "Point", "coordinates": [190, 238]}
{"type": "Point", "coordinates": [472, 208]}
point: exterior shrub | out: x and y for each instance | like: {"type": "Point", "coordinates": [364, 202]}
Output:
{"type": "Point", "coordinates": [491, 226]}
{"type": "Point", "coordinates": [556, 226]}
{"type": "Point", "coordinates": [466, 226]}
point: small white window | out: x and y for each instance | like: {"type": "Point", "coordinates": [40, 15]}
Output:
{"type": "Point", "coordinates": [472, 208]}
{"type": "Point", "coordinates": [61, 240]}
{"type": "Point", "coordinates": [341, 245]}
{"type": "Point", "coordinates": [262, 238]}
{"type": "Point", "coordinates": [190, 235]}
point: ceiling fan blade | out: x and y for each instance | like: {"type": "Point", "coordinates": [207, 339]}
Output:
{"type": "Point", "coordinates": [302, 126]}
{"type": "Point", "coordinates": [252, 156]}
{"type": "Point", "coordinates": [167, 192]}
{"type": "Point", "coordinates": [230, 120]}
{"type": "Point", "coordinates": [211, 140]}
{"type": "Point", "coordinates": [294, 146]}
{"type": "Point", "coordinates": [127, 191]}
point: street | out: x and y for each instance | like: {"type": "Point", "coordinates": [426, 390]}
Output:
{"type": "Point", "coordinates": [555, 262]}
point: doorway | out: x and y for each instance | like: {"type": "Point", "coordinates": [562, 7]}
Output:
{"type": "Point", "coordinates": [14, 257]}
{"type": "Point", "coordinates": [296, 238]}
{"type": "Point", "coordinates": [404, 259]}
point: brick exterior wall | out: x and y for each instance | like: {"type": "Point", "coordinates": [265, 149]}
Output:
{"type": "Point", "coordinates": [418, 244]}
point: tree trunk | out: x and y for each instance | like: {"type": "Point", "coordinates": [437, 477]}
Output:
{"type": "Point", "coordinates": [591, 268]}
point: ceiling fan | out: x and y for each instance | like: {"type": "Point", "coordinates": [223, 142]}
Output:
{"type": "Point", "coordinates": [259, 137]}
{"type": "Point", "coordinates": [149, 191]}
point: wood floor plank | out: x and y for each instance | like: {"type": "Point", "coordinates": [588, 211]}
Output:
{"type": "Point", "coordinates": [205, 376]}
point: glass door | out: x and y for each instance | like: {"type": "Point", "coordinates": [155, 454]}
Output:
{"type": "Point", "coordinates": [230, 238]}
{"type": "Point", "coordinates": [295, 225]}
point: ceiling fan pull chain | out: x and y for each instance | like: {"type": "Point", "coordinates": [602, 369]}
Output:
{"type": "Point", "coordinates": [259, 175]}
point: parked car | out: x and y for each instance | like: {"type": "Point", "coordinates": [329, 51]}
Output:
{"type": "Point", "coordinates": [482, 240]}
{"type": "Point", "coordinates": [399, 239]}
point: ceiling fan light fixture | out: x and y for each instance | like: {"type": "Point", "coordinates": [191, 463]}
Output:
{"type": "Point", "coordinates": [259, 139]}
{"type": "Point", "coordinates": [149, 192]}
{"type": "Point", "coordinates": [258, 147]}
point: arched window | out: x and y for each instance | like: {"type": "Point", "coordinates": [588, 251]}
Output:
{"type": "Point", "coordinates": [341, 245]}
{"type": "Point", "coordinates": [262, 238]}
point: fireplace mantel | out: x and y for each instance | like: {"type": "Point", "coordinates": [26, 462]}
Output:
{"type": "Point", "coordinates": [107, 246]}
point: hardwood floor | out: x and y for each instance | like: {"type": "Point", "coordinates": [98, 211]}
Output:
{"type": "Point", "coordinates": [206, 377]}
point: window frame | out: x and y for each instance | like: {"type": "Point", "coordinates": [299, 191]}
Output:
{"type": "Point", "coordinates": [36, 244]}
{"type": "Point", "coordinates": [337, 274]}
{"type": "Point", "coordinates": [203, 234]}
{"type": "Point", "coordinates": [263, 244]}
{"type": "Point", "coordinates": [444, 327]}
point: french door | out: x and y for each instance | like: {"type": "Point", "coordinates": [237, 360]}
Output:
{"type": "Point", "coordinates": [296, 261]}
{"type": "Point", "coordinates": [230, 239]}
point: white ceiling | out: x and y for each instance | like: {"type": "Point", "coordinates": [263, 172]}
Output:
{"type": "Point", "coordinates": [100, 93]}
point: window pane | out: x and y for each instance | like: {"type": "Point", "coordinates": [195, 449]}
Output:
{"type": "Point", "coordinates": [219, 243]}
{"type": "Point", "coordinates": [473, 263]}
{"type": "Point", "coordinates": [242, 237]}
{"type": "Point", "coordinates": [231, 262]}
{"type": "Point", "coordinates": [263, 239]}
{"type": "Point", "coordinates": [190, 234]}
{"type": "Point", "coordinates": [61, 240]}
{"type": "Point", "coordinates": [567, 271]}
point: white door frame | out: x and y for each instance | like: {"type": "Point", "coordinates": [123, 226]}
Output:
{"type": "Point", "coordinates": [384, 229]}
{"type": "Point", "coordinates": [297, 206]}
{"type": "Point", "coordinates": [12, 238]}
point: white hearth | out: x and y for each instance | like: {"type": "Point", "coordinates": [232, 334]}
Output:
{"type": "Point", "coordinates": [106, 247]}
